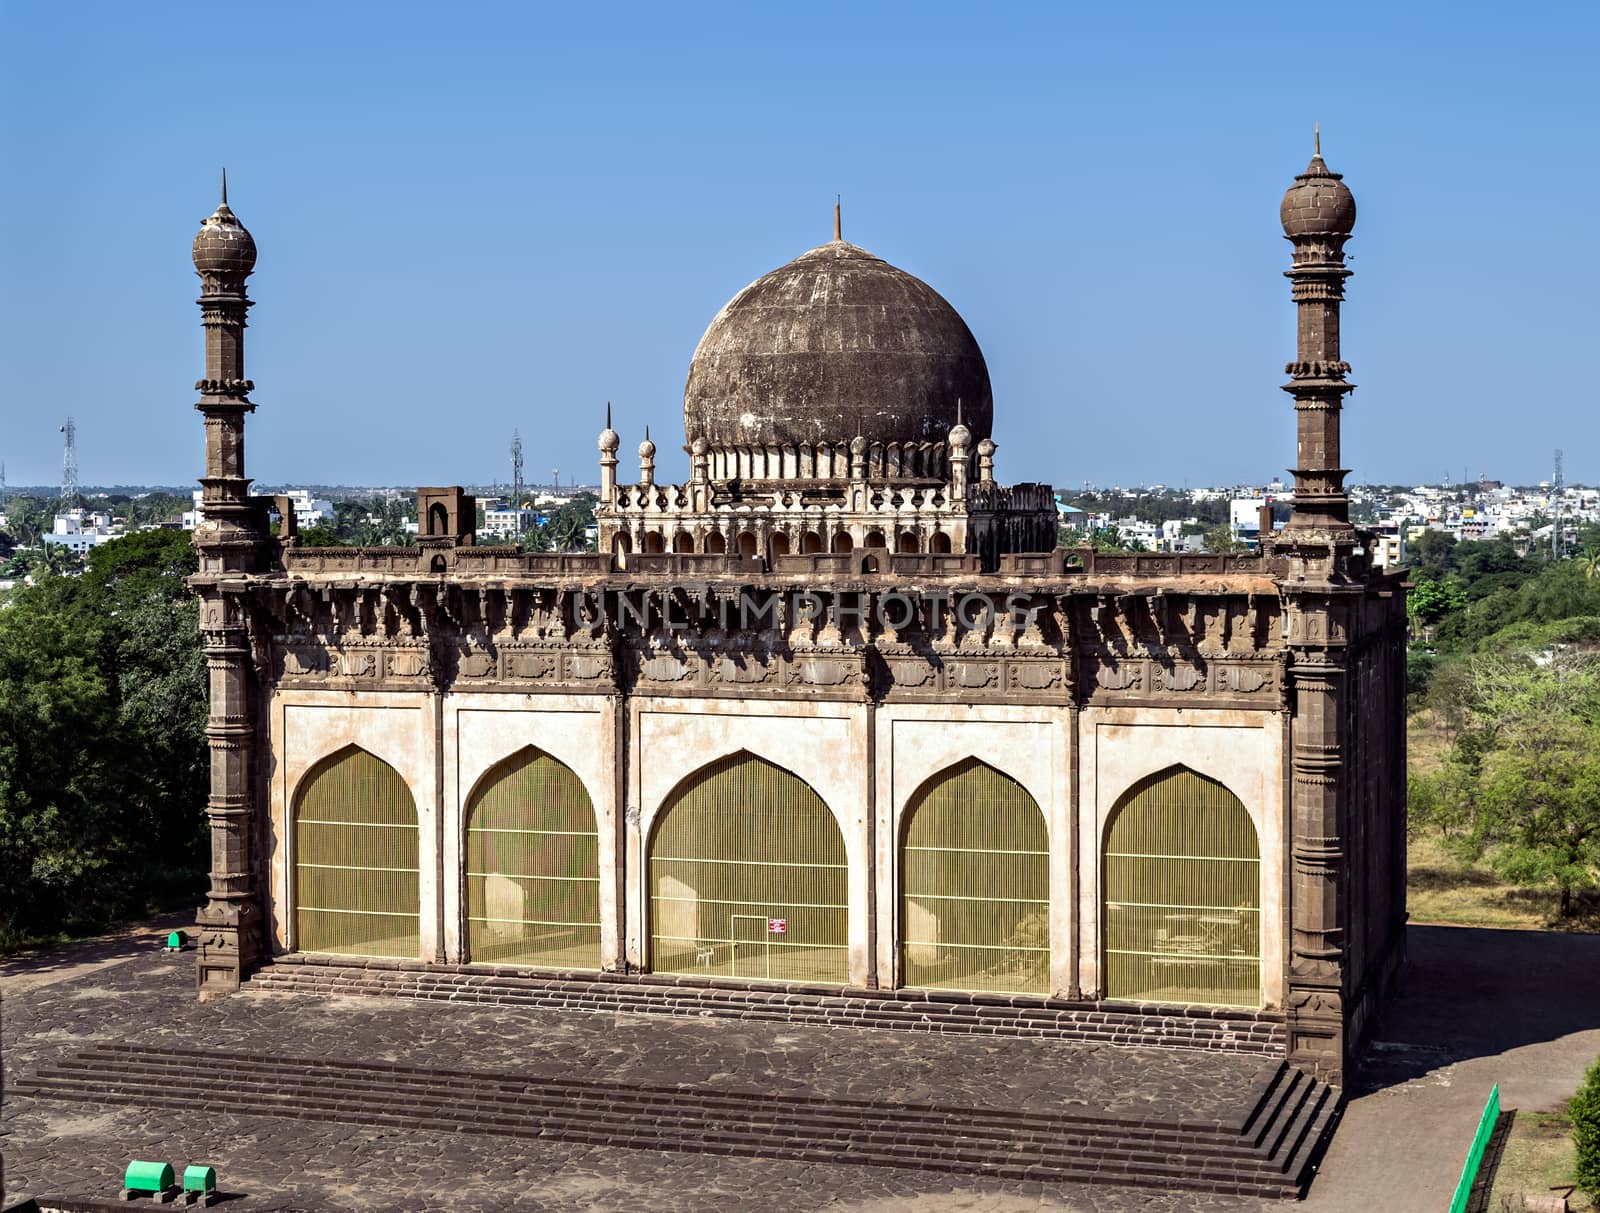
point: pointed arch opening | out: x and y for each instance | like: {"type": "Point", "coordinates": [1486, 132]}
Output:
{"type": "Point", "coordinates": [748, 878]}
{"type": "Point", "coordinates": [533, 866]}
{"type": "Point", "coordinates": [1182, 883]}
{"type": "Point", "coordinates": [975, 884]}
{"type": "Point", "coordinates": [357, 887]}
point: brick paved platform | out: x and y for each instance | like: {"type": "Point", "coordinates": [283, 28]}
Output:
{"type": "Point", "coordinates": [137, 1024]}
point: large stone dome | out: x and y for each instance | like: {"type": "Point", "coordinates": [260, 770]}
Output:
{"type": "Point", "coordinates": [835, 344]}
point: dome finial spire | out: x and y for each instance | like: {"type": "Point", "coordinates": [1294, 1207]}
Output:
{"type": "Point", "coordinates": [1316, 139]}
{"type": "Point", "coordinates": [224, 186]}
{"type": "Point", "coordinates": [838, 228]}
{"type": "Point", "coordinates": [608, 414]}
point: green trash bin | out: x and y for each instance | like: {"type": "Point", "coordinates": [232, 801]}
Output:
{"type": "Point", "coordinates": [152, 1177]}
{"type": "Point", "coordinates": [199, 1185]}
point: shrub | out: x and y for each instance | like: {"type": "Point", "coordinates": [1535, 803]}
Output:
{"type": "Point", "coordinates": [1585, 1112]}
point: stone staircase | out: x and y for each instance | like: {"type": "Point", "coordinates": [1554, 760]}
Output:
{"type": "Point", "coordinates": [1273, 1153]}
{"type": "Point", "coordinates": [1149, 1026]}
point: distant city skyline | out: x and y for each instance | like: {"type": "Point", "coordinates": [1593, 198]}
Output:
{"type": "Point", "coordinates": [505, 221]}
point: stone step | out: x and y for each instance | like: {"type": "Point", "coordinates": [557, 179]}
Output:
{"type": "Point", "coordinates": [985, 1014]}
{"type": "Point", "coordinates": [109, 1064]}
{"type": "Point", "coordinates": [950, 1154]}
{"type": "Point", "coordinates": [998, 1142]}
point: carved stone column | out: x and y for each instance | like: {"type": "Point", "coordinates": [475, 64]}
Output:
{"type": "Point", "coordinates": [1318, 896]}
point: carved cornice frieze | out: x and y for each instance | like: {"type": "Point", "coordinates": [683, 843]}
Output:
{"type": "Point", "coordinates": [1182, 679]}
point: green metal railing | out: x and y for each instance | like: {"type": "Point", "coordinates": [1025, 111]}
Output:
{"type": "Point", "coordinates": [1480, 1143]}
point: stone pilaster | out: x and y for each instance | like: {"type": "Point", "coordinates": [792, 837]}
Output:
{"type": "Point", "coordinates": [1318, 896]}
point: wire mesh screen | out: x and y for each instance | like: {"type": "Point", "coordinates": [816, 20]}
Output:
{"type": "Point", "coordinates": [1183, 895]}
{"type": "Point", "coordinates": [355, 861]}
{"type": "Point", "coordinates": [975, 902]}
{"type": "Point", "coordinates": [533, 866]}
{"type": "Point", "coordinates": [748, 878]}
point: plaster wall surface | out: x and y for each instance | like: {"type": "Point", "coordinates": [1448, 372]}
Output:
{"type": "Point", "coordinates": [822, 742]}
{"type": "Point", "coordinates": [915, 742]}
{"type": "Point", "coordinates": [481, 730]}
{"type": "Point", "coordinates": [1242, 750]}
{"type": "Point", "coordinates": [398, 727]}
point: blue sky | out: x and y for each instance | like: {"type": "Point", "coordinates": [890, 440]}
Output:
{"type": "Point", "coordinates": [474, 218]}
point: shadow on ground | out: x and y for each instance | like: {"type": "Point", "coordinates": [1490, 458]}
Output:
{"type": "Point", "coordinates": [1479, 992]}
{"type": "Point", "coordinates": [42, 966]}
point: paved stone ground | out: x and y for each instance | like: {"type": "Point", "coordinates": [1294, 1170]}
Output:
{"type": "Point", "coordinates": [69, 1149]}
{"type": "Point", "coordinates": [1481, 1006]}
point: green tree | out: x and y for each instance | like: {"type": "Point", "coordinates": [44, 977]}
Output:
{"type": "Point", "coordinates": [1220, 538]}
{"type": "Point", "coordinates": [102, 751]}
{"type": "Point", "coordinates": [1434, 553]}
{"type": "Point", "coordinates": [1430, 601]}
{"type": "Point", "coordinates": [1526, 763]}
{"type": "Point", "coordinates": [1584, 1109]}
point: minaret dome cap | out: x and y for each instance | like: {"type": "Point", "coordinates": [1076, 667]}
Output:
{"type": "Point", "coordinates": [1319, 203]}
{"type": "Point", "coordinates": [223, 248]}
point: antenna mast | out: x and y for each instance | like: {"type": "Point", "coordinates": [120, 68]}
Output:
{"type": "Point", "coordinates": [69, 466]}
{"type": "Point", "coordinates": [516, 476]}
{"type": "Point", "coordinates": [1555, 493]}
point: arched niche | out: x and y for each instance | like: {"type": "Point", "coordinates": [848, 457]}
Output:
{"type": "Point", "coordinates": [975, 884]}
{"type": "Point", "coordinates": [748, 877]}
{"type": "Point", "coordinates": [356, 882]}
{"type": "Point", "coordinates": [682, 542]}
{"type": "Point", "coordinates": [1182, 894]}
{"type": "Point", "coordinates": [716, 543]}
{"type": "Point", "coordinates": [532, 865]}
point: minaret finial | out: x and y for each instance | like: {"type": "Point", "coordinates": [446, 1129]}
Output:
{"type": "Point", "coordinates": [608, 414]}
{"type": "Point", "coordinates": [838, 228]}
{"type": "Point", "coordinates": [1316, 139]}
{"type": "Point", "coordinates": [224, 186]}
{"type": "Point", "coordinates": [958, 410]}
{"type": "Point", "coordinates": [647, 433]}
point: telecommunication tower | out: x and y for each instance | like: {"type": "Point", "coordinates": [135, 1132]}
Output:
{"type": "Point", "coordinates": [69, 466]}
{"type": "Point", "coordinates": [1556, 484]}
{"type": "Point", "coordinates": [516, 475]}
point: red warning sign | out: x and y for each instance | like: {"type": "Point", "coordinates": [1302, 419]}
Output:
{"type": "Point", "coordinates": [777, 926]}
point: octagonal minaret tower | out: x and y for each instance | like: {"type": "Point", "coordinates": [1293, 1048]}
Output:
{"type": "Point", "coordinates": [228, 540]}
{"type": "Point", "coordinates": [1318, 214]}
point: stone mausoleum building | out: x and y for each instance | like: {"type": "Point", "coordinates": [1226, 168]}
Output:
{"type": "Point", "coordinates": [835, 713]}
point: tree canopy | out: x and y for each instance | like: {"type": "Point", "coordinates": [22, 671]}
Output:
{"type": "Point", "coordinates": [102, 740]}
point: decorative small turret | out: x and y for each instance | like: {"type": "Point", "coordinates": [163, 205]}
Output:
{"type": "Point", "coordinates": [986, 450]}
{"type": "Point", "coordinates": [609, 444]}
{"type": "Point", "coordinates": [647, 460]}
{"type": "Point", "coordinates": [1318, 215]}
{"type": "Point", "coordinates": [858, 458]}
{"type": "Point", "coordinates": [960, 461]}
